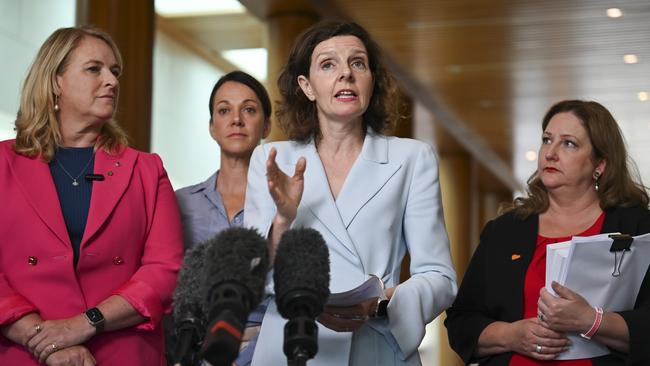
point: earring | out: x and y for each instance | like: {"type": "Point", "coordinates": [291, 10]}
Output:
{"type": "Point", "coordinates": [596, 180]}
{"type": "Point", "coordinates": [56, 103]}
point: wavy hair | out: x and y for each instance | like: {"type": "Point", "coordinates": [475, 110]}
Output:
{"type": "Point", "coordinates": [297, 115]}
{"type": "Point", "coordinates": [38, 133]}
{"type": "Point", "coordinates": [620, 183]}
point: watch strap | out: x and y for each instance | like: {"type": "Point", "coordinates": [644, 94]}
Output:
{"type": "Point", "coordinates": [382, 308]}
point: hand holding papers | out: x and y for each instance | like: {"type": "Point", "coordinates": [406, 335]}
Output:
{"type": "Point", "coordinates": [604, 276]}
{"type": "Point", "coordinates": [372, 288]}
{"type": "Point", "coordinates": [347, 311]}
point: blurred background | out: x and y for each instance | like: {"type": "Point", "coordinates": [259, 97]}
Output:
{"type": "Point", "coordinates": [476, 78]}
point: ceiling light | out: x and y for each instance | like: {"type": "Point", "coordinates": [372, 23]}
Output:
{"type": "Point", "coordinates": [630, 59]}
{"type": "Point", "coordinates": [175, 8]}
{"type": "Point", "coordinates": [614, 13]}
{"type": "Point", "coordinates": [531, 155]}
{"type": "Point", "coordinates": [643, 96]}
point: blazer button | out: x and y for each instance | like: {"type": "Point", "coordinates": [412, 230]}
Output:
{"type": "Point", "coordinates": [118, 260]}
{"type": "Point", "coordinates": [32, 261]}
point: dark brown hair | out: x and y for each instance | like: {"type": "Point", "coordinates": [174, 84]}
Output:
{"type": "Point", "coordinates": [297, 115]}
{"type": "Point", "coordinates": [617, 185]}
{"type": "Point", "coordinates": [244, 79]}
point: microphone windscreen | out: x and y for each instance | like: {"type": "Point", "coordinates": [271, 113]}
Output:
{"type": "Point", "coordinates": [301, 264]}
{"type": "Point", "coordinates": [188, 296]}
{"type": "Point", "coordinates": [236, 255]}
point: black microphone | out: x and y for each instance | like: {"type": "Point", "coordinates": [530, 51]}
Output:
{"type": "Point", "coordinates": [301, 276]}
{"type": "Point", "coordinates": [235, 271]}
{"type": "Point", "coordinates": [94, 177]}
{"type": "Point", "coordinates": [188, 313]}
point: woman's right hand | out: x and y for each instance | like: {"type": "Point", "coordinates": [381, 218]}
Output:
{"type": "Point", "coordinates": [286, 191]}
{"type": "Point", "coordinates": [528, 334]}
{"type": "Point", "coordinates": [71, 356]}
{"type": "Point", "coordinates": [23, 329]}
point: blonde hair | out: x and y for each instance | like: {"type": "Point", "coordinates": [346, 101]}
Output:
{"type": "Point", "coordinates": [37, 129]}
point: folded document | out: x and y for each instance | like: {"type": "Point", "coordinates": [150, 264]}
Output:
{"type": "Point", "coordinates": [608, 279]}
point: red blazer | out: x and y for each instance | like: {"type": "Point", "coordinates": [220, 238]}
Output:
{"type": "Point", "coordinates": [132, 247]}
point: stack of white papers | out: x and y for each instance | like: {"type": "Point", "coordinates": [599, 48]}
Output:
{"type": "Point", "coordinates": [586, 266]}
{"type": "Point", "coordinates": [373, 287]}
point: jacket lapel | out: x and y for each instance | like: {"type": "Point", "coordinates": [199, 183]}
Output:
{"type": "Point", "coordinates": [318, 197]}
{"type": "Point", "coordinates": [117, 171]}
{"type": "Point", "coordinates": [370, 173]}
{"type": "Point", "coordinates": [35, 180]}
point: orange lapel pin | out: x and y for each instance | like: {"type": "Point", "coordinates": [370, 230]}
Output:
{"type": "Point", "coordinates": [515, 257]}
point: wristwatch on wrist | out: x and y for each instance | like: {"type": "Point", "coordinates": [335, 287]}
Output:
{"type": "Point", "coordinates": [382, 308]}
{"type": "Point", "coordinates": [95, 318]}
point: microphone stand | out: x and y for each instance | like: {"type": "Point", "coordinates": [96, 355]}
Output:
{"type": "Point", "coordinates": [300, 340]}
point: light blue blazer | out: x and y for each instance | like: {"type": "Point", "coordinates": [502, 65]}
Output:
{"type": "Point", "coordinates": [389, 204]}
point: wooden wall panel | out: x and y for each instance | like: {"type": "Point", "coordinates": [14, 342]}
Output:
{"type": "Point", "coordinates": [131, 24]}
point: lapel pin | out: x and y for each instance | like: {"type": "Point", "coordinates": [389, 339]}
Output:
{"type": "Point", "coordinates": [110, 173]}
{"type": "Point", "coordinates": [515, 257]}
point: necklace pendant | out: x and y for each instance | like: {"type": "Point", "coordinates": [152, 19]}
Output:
{"type": "Point", "coordinates": [75, 183]}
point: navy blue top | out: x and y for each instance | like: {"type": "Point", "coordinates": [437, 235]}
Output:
{"type": "Point", "coordinates": [74, 199]}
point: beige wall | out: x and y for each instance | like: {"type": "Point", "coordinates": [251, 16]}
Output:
{"type": "Point", "coordinates": [182, 82]}
{"type": "Point", "coordinates": [24, 26]}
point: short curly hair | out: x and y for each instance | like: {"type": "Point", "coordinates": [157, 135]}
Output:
{"type": "Point", "coordinates": [297, 115]}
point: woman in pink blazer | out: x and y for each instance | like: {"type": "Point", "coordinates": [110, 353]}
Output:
{"type": "Point", "coordinates": [90, 233]}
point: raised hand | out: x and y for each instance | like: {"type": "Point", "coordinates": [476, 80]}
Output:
{"type": "Point", "coordinates": [286, 191]}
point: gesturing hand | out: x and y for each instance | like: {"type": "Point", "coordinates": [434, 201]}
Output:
{"type": "Point", "coordinates": [286, 191]}
{"type": "Point", "coordinates": [567, 312]}
{"type": "Point", "coordinates": [71, 356]}
{"type": "Point", "coordinates": [531, 338]}
{"type": "Point", "coordinates": [55, 335]}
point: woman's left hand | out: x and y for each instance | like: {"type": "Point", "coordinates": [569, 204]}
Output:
{"type": "Point", "coordinates": [59, 334]}
{"type": "Point", "coordinates": [351, 318]}
{"type": "Point", "coordinates": [71, 356]}
{"type": "Point", "coordinates": [347, 318]}
{"type": "Point", "coordinates": [567, 312]}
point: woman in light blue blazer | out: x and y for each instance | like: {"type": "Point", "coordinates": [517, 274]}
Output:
{"type": "Point", "coordinates": [372, 197]}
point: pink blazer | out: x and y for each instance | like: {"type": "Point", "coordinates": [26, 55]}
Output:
{"type": "Point", "coordinates": [132, 247]}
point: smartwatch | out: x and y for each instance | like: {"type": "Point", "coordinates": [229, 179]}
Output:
{"type": "Point", "coordinates": [95, 318]}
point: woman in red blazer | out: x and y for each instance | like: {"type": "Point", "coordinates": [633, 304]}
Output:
{"type": "Point", "coordinates": [90, 231]}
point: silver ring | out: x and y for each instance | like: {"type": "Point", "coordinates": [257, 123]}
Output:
{"type": "Point", "coordinates": [54, 347]}
{"type": "Point", "coordinates": [540, 316]}
{"type": "Point", "coordinates": [38, 328]}
{"type": "Point", "coordinates": [538, 348]}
